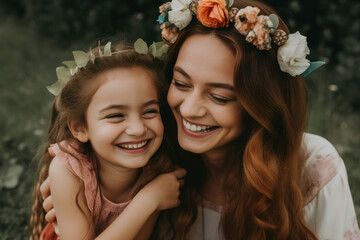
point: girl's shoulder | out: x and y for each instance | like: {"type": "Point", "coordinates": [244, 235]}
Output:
{"type": "Point", "coordinates": [322, 164]}
{"type": "Point", "coordinates": [69, 154]}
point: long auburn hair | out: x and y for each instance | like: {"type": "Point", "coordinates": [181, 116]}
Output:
{"type": "Point", "coordinates": [263, 188]}
{"type": "Point", "coordinates": [72, 104]}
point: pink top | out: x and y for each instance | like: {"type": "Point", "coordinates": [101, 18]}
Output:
{"type": "Point", "coordinates": [103, 211]}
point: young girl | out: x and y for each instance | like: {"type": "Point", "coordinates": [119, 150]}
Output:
{"type": "Point", "coordinates": [105, 150]}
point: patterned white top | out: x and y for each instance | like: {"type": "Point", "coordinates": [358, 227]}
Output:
{"type": "Point", "coordinates": [329, 208]}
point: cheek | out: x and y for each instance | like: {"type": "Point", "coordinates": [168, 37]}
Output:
{"type": "Point", "coordinates": [230, 118]}
{"type": "Point", "coordinates": [173, 97]}
{"type": "Point", "coordinates": [157, 127]}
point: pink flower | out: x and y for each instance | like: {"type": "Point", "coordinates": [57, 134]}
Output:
{"type": "Point", "coordinates": [245, 19]}
{"type": "Point", "coordinates": [164, 8]}
{"type": "Point", "coordinates": [169, 34]}
{"type": "Point", "coordinates": [262, 38]}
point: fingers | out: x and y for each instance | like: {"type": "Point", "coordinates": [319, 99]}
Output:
{"type": "Point", "coordinates": [45, 188]}
{"type": "Point", "coordinates": [179, 173]}
{"type": "Point", "coordinates": [48, 204]}
{"type": "Point", "coordinates": [56, 228]}
{"type": "Point", "coordinates": [50, 216]}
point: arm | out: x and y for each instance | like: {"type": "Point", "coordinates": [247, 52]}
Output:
{"type": "Point", "coordinates": [137, 219]}
{"type": "Point", "coordinates": [74, 221]}
{"type": "Point", "coordinates": [329, 211]}
{"type": "Point", "coordinates": [331, 214]}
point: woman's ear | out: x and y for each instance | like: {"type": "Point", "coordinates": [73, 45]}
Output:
{"type": "Point", "coordinates": [78, 131]}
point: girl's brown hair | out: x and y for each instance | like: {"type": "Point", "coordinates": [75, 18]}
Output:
{"type": "Point", "coordinates": [72, 104]}
{"type": "Point", "coordinates": [263, 188]}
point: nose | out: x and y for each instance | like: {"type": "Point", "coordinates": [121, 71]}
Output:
{"type": "Point", "coordinates": [135, 127]}
{"type": "Point", "coordinates": [193, 105]}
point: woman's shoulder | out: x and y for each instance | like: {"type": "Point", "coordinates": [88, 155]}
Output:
{"type": "Point", "coordinates": [322, 164]}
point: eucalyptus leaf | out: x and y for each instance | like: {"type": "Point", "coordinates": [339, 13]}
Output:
{"type": "Point", "coordinates": [55, 88]}
{"type": "Point", "coordinates": [63, 74]}
{"type": "Point", "coordinates": [152, 49]}
{"type": "Point", "coordinates": [70, 64]}
{"type": "Point", "coordinates": [81, 58]}
{"type": "Point", "coordinates": [313, 66]}
{"type": "Point", "coordinates": [141, 46]}
{"type": "Point", "coordinates": [275, 20]}
{"type": "Point", "coordinates": [161, 50]}
{"type": "Point", "coordinates": [107, 49]}
{"type": "Point", "coordinates": [167, 24]}
{"type": "Point", "coordinates": [92, 56]}
{"type": "Point", "coordinates": [99, 49]}
{"type": "Point", "coordinates": [229, 3]}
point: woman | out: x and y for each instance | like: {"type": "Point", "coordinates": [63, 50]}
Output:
{"type": "Point", "coordinates": [240, 109]}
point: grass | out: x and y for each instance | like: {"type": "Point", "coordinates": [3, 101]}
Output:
{"type": "Point", "coordinates": [28, 65]}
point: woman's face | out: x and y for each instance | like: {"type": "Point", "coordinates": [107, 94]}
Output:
{"type": "Point", "coordinates": [202, 96]}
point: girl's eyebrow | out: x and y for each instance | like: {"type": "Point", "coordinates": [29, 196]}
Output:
{"type": "Point", "coordinates": [215, 84]}
{"type": "Point", "coordinates": [119, 106]}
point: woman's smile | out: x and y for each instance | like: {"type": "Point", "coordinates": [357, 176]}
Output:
{"type": "Point", "coordinates": [202, 95]}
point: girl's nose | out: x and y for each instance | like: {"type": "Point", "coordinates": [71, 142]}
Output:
{"type": "Point", "coordinates": [136, 127]}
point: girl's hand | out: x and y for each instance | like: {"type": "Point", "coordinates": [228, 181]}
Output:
{"type": "Point", "coordinates": [164, 191]}
{"type": "Point", "coordinates": [48, 205]}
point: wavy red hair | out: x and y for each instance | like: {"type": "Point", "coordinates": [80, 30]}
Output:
{"type": "Point", "coordinates": [267, 160]}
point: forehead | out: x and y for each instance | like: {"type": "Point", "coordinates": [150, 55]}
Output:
{"type": "Point", "coordinates": [126, 85]}
{"type": "Point", "coordinates": [205, 56]}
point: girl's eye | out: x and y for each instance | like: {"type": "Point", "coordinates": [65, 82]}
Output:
{"type": "Point", "coordinates": [151, 113]}
{"type": "Point", "coordinates": [180, 85]}
{"type": "Point", "coordinates": [117, 115]}
{"type": "Point", "coordinates": [219, 100]}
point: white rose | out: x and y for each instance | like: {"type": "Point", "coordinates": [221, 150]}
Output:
{"type": "Point", "coordinates": [292, 55]}
{"type": "Point", "coordinates": [180, 14]}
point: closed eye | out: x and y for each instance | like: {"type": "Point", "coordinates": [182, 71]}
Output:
{"type": "Point", "coordinates": [180, 84]}
{"type": "Point", "coordinates": [219, 100]}
{"type": "Point", "coordinates": [151, 113]}
{"type": "Point", "coordinates": [117, 115]}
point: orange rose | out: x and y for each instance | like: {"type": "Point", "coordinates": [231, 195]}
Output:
{"type": "Point", "coordinates": [213, 13]}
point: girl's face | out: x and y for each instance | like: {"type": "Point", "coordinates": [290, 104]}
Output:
{"type": "Point", "coordinates": [202, 96]}
{"type": "Point", "coordinates": [123, 119]}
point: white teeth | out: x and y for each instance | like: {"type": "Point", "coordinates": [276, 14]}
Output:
{"type": "Point", "coordinates": [133, 146]}
{"type": "Point", "coordinates": [196, 128]}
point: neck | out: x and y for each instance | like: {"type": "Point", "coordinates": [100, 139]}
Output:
{"type": "Point", "coordinates": [216, 171]}
{"type": "Point", "coordinates": [118, 185]}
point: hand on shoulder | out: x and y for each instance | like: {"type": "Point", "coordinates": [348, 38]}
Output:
{"type": "Point", "coordinates": [164, 191]}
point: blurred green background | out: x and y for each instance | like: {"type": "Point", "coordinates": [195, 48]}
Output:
{"type": "Point", "coordinates": [37, 35]}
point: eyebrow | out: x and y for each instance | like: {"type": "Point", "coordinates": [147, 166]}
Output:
{"type": "Point", "coordinates": [118, 106]}
{"type": "Point", "coordinates": [216, 85]}
{"type": "Point", "coordinates": [181, 71]}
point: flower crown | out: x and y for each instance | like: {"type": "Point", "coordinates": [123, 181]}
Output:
{"type": "Point", "coordinates": [259, 30]}
{"type": "Point", "coordinates": [81, 59]}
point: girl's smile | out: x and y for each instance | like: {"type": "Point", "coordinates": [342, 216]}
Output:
{"type": "Point", "coordinates": [134, 147]}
